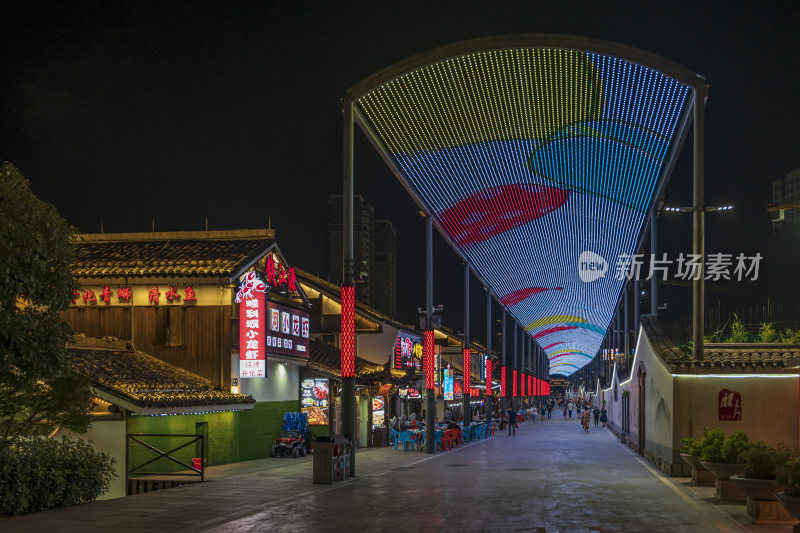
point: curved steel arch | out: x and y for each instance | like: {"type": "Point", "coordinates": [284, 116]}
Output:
{"type": "Point", "coordinates": [558, 142]}
{"type": "Point", "coordinates": [529, 40]}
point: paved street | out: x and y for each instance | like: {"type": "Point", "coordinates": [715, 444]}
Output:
{"type": "Point", "coordinates": [549, 478]}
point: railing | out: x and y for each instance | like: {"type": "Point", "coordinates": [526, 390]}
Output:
{"type": "Point", "coordinates": [162, 482]}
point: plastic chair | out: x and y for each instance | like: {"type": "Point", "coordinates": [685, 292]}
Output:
{"type": "Point", "coordinates": [438, 444]}
{"type": "Point", "coordinates": [465, 435]}
{"type": "Point", "coordinates": [393, 434]}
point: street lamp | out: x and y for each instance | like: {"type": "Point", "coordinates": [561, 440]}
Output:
{"type": "Point", "coordinates": [698, 246]}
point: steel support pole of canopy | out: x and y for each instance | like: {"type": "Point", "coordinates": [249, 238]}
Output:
{"type": "Point", "coordinates": [466, 361]}
{"type": "Point", "coordinates": [653, 252]}
{"type": "Point", "coordinates": [698, 241]}
{"type": "Point", "coordinates": [430, 394]}
{"type": "Point", "coordinates": [348, 321]}
{"type": "Point", "coordinates": [503, 367]}
{"type": "Point", "coordinates": [488, 380]}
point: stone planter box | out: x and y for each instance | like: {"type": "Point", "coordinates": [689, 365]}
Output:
{"type": "Point", "coordinates": [792, 505]}
{"type": "Point", "coordinates": [762, 505]}
{"type": "Point", "coordinates": [700, 476]}
{"type": "Point", "coordinates": [757, 489]}
{"type": "Point", "coordinates": [724, 489]}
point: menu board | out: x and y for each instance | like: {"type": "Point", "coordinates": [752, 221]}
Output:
{"type": "Point", "coordinates": [314, 400]}
{"type": "Point", "coordinates": [410, 393]}
{"type": "Point", "coordinates": [377, 411]}
{"type": "Point", "coordinates": [447, 387]}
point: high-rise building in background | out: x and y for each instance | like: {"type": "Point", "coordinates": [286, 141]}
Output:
{"type": "Point", "coordinates": [384, 238]}
{"type": "Point", "coordinates": [374, 254]}
{"type": "Point", "coordinates": [784, 249]}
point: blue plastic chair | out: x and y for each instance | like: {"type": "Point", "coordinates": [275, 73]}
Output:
{"type": "Point", "coordinates": [406, 438]}
{"type": "Point", "coordinates": [465, 435]}
{"type": "Point", "coordinates": [393, 434]}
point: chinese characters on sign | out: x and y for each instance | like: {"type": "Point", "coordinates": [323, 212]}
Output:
{"type": "Point", "coordinates": [252, 326]}
{"type": "Point", "coordinates": [407, 352]}
{"type": "Point", "coordinates": [278, 276]}
{"type": "Point", "coordinates": [448, 384]}
{"type": "Point", "coordinates": [718, 266]}
{"type": "Point", "coordinates": [730, 405]}
{"type": "Point", "coordinates": [124, 295]}
{"type": "Point", "coordinates": [288, 332]}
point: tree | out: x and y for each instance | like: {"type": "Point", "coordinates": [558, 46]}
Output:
{"type": "Point", "coordinates": [38, 391]}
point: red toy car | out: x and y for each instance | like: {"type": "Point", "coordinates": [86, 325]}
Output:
{"type": "Point", "coordinates": [288, 442]}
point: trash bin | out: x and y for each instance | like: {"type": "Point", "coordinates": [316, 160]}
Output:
{"type": "Point", "coordinates": [379, 437]}
{"type": "Point", "coordinates": [197, 463]}
{"type": "Point", "coordinates": [331, 459]}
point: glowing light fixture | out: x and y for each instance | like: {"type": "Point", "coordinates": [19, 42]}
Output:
{"type": "Point", "coordinates": [527, 157]}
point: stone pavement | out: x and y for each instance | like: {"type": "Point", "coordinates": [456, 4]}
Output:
{"type": "Point", "coordinates": [551, 477]}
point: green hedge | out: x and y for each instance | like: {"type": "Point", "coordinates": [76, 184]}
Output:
{"type": "Point", "coordinates": [37, 473]}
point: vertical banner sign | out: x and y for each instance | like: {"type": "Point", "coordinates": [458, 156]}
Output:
{"type": "Point", "coordinates": [447, 384]}
{"type": "Point", "coordinates": [488, 377]}
{"type": "Point", "coordinates": [428, 358]}
{"type": "Point", "coordinates": [252, 326]}
{"type": "Point", "coordinates": [515, 383]}
{"type": "Point", "coordinates": [482, 372]}
{"type": "Point", "coordinates": [503, 381]}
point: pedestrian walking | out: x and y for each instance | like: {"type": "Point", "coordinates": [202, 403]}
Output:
{"type": "Point", "coordinates": [512, 421]}
{"type": "Point", "coordinates": [603, 416]}
{"type": "Point", "coordinates": [570, 405]}
{"type": "Point", "coordinates": [565, 413]}
{"type": "Point", "coordinates": [585, 417]}
{"type": "Point", "coordinates": [596, 414]}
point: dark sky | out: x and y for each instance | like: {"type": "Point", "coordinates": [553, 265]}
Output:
{"type": "Point", "coordinates": [124, 112]}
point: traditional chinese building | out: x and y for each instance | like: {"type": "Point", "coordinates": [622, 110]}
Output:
{"type": "Point", "coordinates": [220, 308]}
{"type": "Point", "coordinates": [667, 396]}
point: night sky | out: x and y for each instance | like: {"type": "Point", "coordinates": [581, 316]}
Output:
{"type": "Point", "coordinates": [125, 112]}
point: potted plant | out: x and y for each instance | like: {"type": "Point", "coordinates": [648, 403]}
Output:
{"type": "Point", "coordinates": [788, 477]}
{"type": "Point", "coordinates": [724, 457]}
{"type": "Point", "coordinates": [691, 456]}
{"type": "Point", "coordinates": [761, 465]}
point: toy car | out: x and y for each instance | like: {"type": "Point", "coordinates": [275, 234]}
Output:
{"type": "Point", "coordinates": [288, 442]}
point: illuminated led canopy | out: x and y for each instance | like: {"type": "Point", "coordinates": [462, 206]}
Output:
{"type": "Point", "coordinates": [533, 152]}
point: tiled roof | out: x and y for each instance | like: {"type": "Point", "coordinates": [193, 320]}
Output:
{"type": "Point", "coordinates": [722, 357]}
{"type": "Point", "coordinates": [326, 358]}
{"type": "Point", "coordinates": [147, 382]}
{"type": "Point", "coordinates": [164, 256]}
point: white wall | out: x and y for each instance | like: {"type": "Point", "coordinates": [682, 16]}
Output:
{"type": "Point", "coordinates": [769, 406]}
{"type": "Point", "coordinates": [282, 383]}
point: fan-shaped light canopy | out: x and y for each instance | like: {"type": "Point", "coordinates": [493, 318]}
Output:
{"type": "Point", "coordinates": [539, 158]}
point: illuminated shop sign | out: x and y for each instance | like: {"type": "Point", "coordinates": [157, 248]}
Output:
{"type": "Point", "coordinates": [314, 400]}
{"type": "Point", "coordinates": [378, 411]}
{"type": "Point", "coordinates": [447, 387]}
{"type": "Point", "coordinates": [287, 331]}
{"type": "Point", "coordinates": [252, 329]}
{"type": "Point", "coordinates": [410, 393]}
{"type": "Point", "coordinates": [154, 295]}
{"type": "Point", "coordinates": [482, 367]}
{"type": "Point", "coordinates": [408, 352]}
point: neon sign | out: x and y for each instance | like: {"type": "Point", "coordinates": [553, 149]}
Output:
{"type": "Point", "coordinates": [252, 334]}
